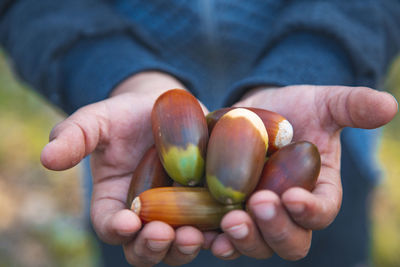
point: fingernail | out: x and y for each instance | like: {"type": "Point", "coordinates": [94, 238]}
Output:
{"type": "Point", "coordinates": [295, 208]}
{"type": "Point", "coordinates": [228, 253]}
{"type": "Point", "coordinates": [158, 245]}
{"type": "Point", "coordinates": [188, 250]}
{"type": "Point", "coordinates": [238, 231]}
{"type": "Point", "coordinates": [264, 211]}
{"type": "Point", "coordinates": [397, 102]}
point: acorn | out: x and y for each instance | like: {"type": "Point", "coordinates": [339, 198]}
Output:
{"type": "Point", "coordinates": [280, 131]}
{"type": "Point", "coordinates": [181, 206]}
{"type": "Point", "coordinates": [235, 155]}
{"type": "Point", "coordinates": [148, 174]}
{"type": "Point", "coordinates": [295, 165]}
{"type": "Point", "coordinates": [180, 135]}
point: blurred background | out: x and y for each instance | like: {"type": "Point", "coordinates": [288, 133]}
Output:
{"type": "Point", "coordinates": [41, 212]}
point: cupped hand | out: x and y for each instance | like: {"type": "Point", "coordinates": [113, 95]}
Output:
{"type": "Point", "coordinates": [283, 225]}
{"type": "Point", "coordinates": [117, 132]}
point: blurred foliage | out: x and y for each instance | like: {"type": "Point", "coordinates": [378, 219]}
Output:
{"type": "Point", "coordinates": [386, 205]}
{"type": "Point", "coordinates": [42, 221]}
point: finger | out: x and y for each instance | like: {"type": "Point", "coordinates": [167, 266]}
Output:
{"type": "Point", "coordinates": [286, 238]}
{"type": "Point", "coordinates": [209, 238]}
{"type": "Point", "coordinates": [111, 220]}
{"type": "Point", "coordinates": [116, 226]}
{"type": "Point", "coordinates": [151, 244]}
{"type": "Point", "coordinates": [358, 107]}
{"type": "Point", "coordinates": [74, 138]}
{"type": "Point", "coordinates": [223, 248]}
{"type": "Point", "coordinates": [186, 246]}
{"type": "Point", "coordinates": [244, 235]}
{"type": "Point", "coordinates": [318, 209]}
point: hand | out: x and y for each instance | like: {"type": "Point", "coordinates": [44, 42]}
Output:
{"type": "Point", "coordinates": [117, 132]}
{"type": "Point", "coordinates": [317, 113]}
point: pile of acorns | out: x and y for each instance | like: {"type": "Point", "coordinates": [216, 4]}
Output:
{"type": "Point", "coordinates": [203, 167]}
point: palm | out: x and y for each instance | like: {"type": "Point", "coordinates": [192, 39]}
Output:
{"type": "Point", "coordinates": [128, 135]}
{"type": "Point", "coordinates": [318, 114]}
{"type": "Point", "coordinates": [307, 110]}
{"type": "Point", "coordinates": [117, 132]}
{"type": "Point", "coordinates": [126, 138]}
{"type": "Point", "coordinates": [283, 224]}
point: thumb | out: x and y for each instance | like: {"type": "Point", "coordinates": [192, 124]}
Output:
{"type": "Point", "coordinates": [360, 107]}
{"type": "Point", "coordinates": [74, 138]}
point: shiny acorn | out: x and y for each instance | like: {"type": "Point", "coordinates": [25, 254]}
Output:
{"type": "Point", "coordinates": [295, 165]}
{"type": "Point", "coordinates": [180, 135]}
{"type": "Point", "coordinates": [180, 206]}
{"type": "Point", "coordinates": [148, 174]}
{"type": "Point", "coordinates": [280, 131]}
{"type": "Point", "coordinates": [235, 155]}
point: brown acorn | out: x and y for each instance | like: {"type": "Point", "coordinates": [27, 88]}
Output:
{"type": "Point", "coordinates": [297, 164]}
{"type": "Point", "coordinates": [148, 174]}
{"type": "Point", "coordinates": [180, 206]}
{"type": "Point", "coordinates": [235, 155]}
{"type": "Point", "coordinates": [181, 135]}
{"type": "Point", "coordinates": [280, 131]}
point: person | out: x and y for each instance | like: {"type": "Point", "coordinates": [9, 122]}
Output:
{"type": "Point", "coordinates": [105, 62]}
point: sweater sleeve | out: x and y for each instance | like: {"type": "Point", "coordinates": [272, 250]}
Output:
{"type": "Point", "coordinates": [327, 43]}
{"type": "Point", "coordinates": [45, 37]}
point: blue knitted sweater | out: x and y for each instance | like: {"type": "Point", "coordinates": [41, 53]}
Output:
{"type": "Point", "coordinates": [75, 52]}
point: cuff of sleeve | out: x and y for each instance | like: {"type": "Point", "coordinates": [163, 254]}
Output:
{"type": "Point", "coordinates": [93, 67]}
{"type": "Point", "coordinates": [301, 58]}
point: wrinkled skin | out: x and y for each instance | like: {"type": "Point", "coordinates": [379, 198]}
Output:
{"type": "Point", "coordinates": [117, 132]}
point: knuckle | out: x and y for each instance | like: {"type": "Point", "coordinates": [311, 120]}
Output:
{"type": "Point", "coordinates": [144, 260]}
{"type": "Point", "coordinates": [175, 258]}
{"type": "Point", "coordinates": [141, 257]}
{"type": "Point", "coordinates": [298, 253]}
{"type": "Point", "coordinates": [101, 229]}
{"type": "Point", "coordinates": [278, 236]}
{"type": "Point", "coordinates": [139, 252]}
{"type": "Point", "coordinates": [249, 249]}
{"type": "Point", "coordinates": [129, 256]}
{"type": "Point", "coordinates": [319, 218]}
